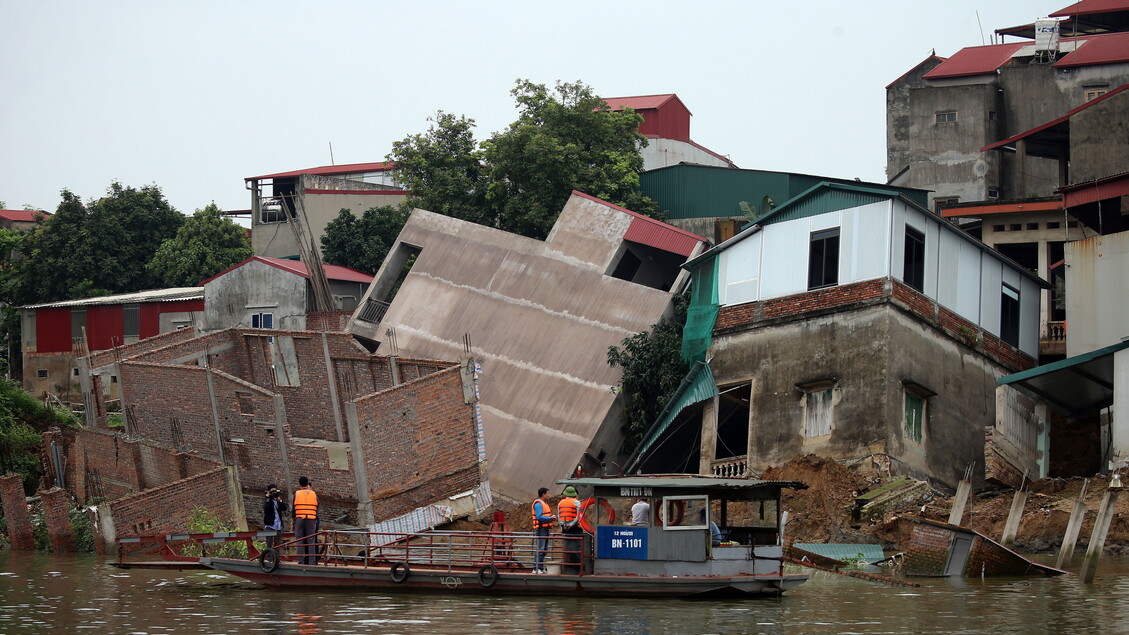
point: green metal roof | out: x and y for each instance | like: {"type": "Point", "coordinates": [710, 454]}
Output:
{"type": "Point", "coordinates": [1075, 385]}
{"type": "Point", "coordinates": [698, 385]}
{"type": "Point", "coordinates": [700, 191]}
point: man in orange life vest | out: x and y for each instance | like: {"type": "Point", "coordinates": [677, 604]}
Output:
{"type": "Point", "coordinates": [568, 511]}
{"type": "Point", "coordinates": [306, 521]}
{"type": "Point", "coordinates": [542, 521]}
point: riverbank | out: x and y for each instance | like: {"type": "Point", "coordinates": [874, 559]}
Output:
{"type": "Point", "coordinates": [823, 512]}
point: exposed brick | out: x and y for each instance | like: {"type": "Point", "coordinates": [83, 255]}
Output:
{"type": "Point", "coordinates": [57, 517]}
{"type": "Point", "coordinates": [12, 498]}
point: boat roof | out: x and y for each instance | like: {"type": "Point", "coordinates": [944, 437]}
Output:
{"type": "Point", "coordinates": [674, 484]}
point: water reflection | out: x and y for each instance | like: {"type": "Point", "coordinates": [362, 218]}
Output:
{"type": "Point", "coordinates": [43, 593]}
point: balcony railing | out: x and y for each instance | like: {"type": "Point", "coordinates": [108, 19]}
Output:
{"type": "Point", "coordinates": [374, 311]}
{"type": "Point", "coordinates": [1054, 332]}
{"type": "Point", "coordinates": [731, 467]}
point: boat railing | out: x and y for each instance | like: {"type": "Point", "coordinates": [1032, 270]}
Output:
{"type": "Point", "coordinates": [448, 550]}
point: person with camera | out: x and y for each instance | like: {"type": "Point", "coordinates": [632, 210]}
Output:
{"type": "Point", "coordinates": [273, 509]}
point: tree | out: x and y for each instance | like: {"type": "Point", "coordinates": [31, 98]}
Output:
{"type": "Point", "coordinates": [518, 180]}
{"type": "Point", "coordinates": [652, 371]}
{"type": "Point", "coordinates": [98, 248]}
{"type": "Point", "coordinates": [206, 244]}
{"type": "Point", "coordinates": [443, 170]}
{"type": "Point", "coordinates": [562, 141]}
{"type": "Point", "coordinates": [362, 243]}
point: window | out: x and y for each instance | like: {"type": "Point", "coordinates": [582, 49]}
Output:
{"type": "Point", "coordinates": [947, 116]}
{"type": "Point", "coordinates": [941, 202]}
{"type": "Point", "coordinates": [993, 192]}
{"type": "Point", "coordinates": [1094, 93]}
{"type": "Point", "coordinates": [74, 372]}
{"type": "Point", "coordinates": [819, 399]}
{"type": "Point", "coordinates": [998, 228]}
{"type": "Point", "coordinates": [1015, 227]}
{"type": "Point", "coordinates": [262, 320]}
{"type": "Point", "coordinates": [131, 320]}
{"type": "Point", "coordinates": [1009, 315]}
{"type": "Point", "coordinates": [41, 373]}
{"type": "Point", "coordinates": [913, 273]}
{"type": "Point", "coordinates": [1054, 224]}
{"type": "Point", "coordinates": [78, 323]}
{"type": "Point", "coordinates": [823, 259]}
{"type": "Point", "coordinates": [1032, 225]}
{"type": "Point", "coordinates": [916, 410]}
{"type": "Point", "coordinates": [992, 115]}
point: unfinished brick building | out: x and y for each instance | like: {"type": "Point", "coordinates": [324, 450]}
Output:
{"type": "Point", "coordinates": [377, 436]}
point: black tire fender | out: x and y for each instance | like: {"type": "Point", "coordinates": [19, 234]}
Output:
{"type": "Point", "coordinates": [487, 575]}
{"type": "Point", "coordinates": [400, 572]}
{"type": "Point", "coordinates": [268, 560]}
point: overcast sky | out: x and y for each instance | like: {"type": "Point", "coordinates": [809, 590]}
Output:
{"type": "Point", "coordinates": [196, 95]}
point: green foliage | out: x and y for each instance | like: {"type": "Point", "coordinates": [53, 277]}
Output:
{"type": "Point", "coordinates": [115, 420]}
{"type": "Point", "coordinates": [98, 248]}
{"type": "Point", "coordinates": [443, 170]}
{"type": "Point", "coordinates": [204, 521]}
{"type": "Point", "coordinates": [518, 180]}
{"type": "Point", "coordinates": [206, 244]}
{"type": "Point", "coordinates": [83, 535]}
{"type": "Point", "coordinates": [22, 420]}
{"type": "Point", "coordinates": [652, 371]}
{"type": "Point", "coordinates": [362, 243]}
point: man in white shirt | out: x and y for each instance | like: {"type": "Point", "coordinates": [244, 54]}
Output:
{"type": "Point", "coordinates": [641, 513]}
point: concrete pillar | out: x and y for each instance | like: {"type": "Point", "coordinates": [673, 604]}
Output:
{"type": "Point", "coordinates": [960, 501]}
{"type": "Point", "coordinates": [1073, 527]}
{"type": "Point", "coordinates": [331, 378]}
{"type": "Point", "coordinates": [360, 475]}
{"type": "Point", "coordinates": [1097, 538]}
{"type": "Point", "coordinates": [57, 517]}
{"type": "Point", "coordinates": [280, 422]}
{"type": "Point", "coordinates": [709, 436]}
{"type": "Point", "coordinates": [1119, 417]}
{"type": "Point", "coordinates": [1011, 527]}
{"type": "Point", "coordinates": [1021, 168]}
{"type": "Point", "coordinates": [14, 502]}
{"type": "Point", "coordinates": [215, 416]}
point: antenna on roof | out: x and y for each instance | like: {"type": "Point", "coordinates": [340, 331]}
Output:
{"type": "Point", "coordinates": [981, 28]}
{"type": "Point", "coordinates": [331, 153]}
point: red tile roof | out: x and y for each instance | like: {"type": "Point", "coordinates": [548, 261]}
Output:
{"type": "Point", "coordinates": [18, 215]}
{"type": "Point", "coordinates": [350, 168]}
{"type": "Point", "coordinates": [976, 60]}
{"type": "Point", "coordinates": [1086, 7]}
{"type": "Point", "coordinates": [333, 272]}
{"type": "Point", "coordinates": [655, 233]}
{"type": "Point", "coordinates": [1108, 48]}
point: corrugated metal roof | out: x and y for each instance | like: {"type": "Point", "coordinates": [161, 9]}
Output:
{"type": "Point", "coordinates": [975, 60]}
{"type": "Point", "coordinates": [23, 215]}
{"type": "Point", "coordinates": [1054, 122]}
{"type": "Point", "coordinates": [643, 102]}
{"type": "Point", "coordinates": [678, 481]}
{"type": "Point", "coordinates": [333, 272]}
{"type": "Point", "coordinates": [1109, 48]}
{"type": "Point", "coordinates": [1074, 385]}
{"type": "Point", "coordinates": [350, 168]}
{"type": "Point", "coordinates": [1085, 7]}
{"type": "Point", "coordinates": [139, 297]}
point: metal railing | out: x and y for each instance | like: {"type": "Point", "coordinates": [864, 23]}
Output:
{"type": "Point", "coordinates": [373, 311]}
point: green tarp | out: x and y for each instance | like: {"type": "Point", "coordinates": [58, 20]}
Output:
{"type": "Point", "coordinates": [702, 313]}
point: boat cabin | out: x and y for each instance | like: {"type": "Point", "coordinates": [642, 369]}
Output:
{"type": "Point", "coordinates": [695, 526]}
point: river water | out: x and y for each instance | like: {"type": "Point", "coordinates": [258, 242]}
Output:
{"type": "Point", "coordinates": [69, 594]}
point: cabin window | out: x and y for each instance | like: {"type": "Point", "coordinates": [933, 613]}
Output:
{"type": "Point", "coordinates": [823, 259]}
{"type": "Point", "coordinates": [684, 512]}
{"type": "Point", "coordinates": [914, 259]}
{"type": "Point", "coordinates": [1009, 315]}
{"type": "Point", "coordinates": [262, 320]}
{"type": "Point", "coordinates": [946, 116]}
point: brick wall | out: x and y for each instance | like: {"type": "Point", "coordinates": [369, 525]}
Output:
{"type": "Point", "coordinates": [928, 551]}
{"type": "Point", "coordinates": [743, 316]}
{"type": "Point", "coordinates": [167, 509]}
{"type": "Point", "coordinates": [333, 321]}
{"type": "Point", "coordinates": [57, 518]}
{"type": "Point", "coordinates": [14, 503]}
{"type": "Point", "coordinates": [421, 443]}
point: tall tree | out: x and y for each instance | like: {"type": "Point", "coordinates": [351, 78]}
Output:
{"type": "Point", "coordinates": [362, 243]}
{"type": "Point", "coordinates": [206, 244]}
{"type": "Point", "coordinates": [98, 248]}
{"type": "Point", "coordinates": [564, 139]}
{"type": "Point", "coordinates": [443, 169]}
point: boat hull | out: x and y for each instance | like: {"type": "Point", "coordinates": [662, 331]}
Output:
{"type": "Point", "coordinates": [506, 582]}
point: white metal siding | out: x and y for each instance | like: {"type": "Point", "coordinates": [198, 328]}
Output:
{"type": "Point", "coordinates": [864, 243]}
{"type": "Point", "coordinates": [739, 272]}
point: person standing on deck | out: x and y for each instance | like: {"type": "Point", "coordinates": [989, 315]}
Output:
{"type": "Point", "coordinates": [306, 521]}
{"type": "Point", "coordinates": [568, 511]}
{"type": "Point", "coordinates": [273, 509]}
{"type": "Point", "coordinates": [542, 521]}
{"type": "Point", "coordinates": [641, 513]}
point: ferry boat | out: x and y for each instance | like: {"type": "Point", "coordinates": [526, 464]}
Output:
{"type": "Point", "coordinates": [704, 537]}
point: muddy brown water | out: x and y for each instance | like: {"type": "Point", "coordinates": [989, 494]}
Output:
{"type": "Point", "coordinates": [67, 594]}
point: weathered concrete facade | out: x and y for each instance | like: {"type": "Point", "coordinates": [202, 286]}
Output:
{"type": "Point", "coordinates": [540, 315]}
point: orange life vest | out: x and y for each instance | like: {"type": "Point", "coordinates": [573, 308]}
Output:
{"type": "Point", "coordinates": [567, 510]}
{"type": "Point", "coordinates": [305, 503]}
{"type": "Point", "coordinates": [538, 523]}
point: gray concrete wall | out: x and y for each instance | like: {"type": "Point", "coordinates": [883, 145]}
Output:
{"type": "Point", "coordinates": [868, 353]}
{"type": "Point", "coordinates": [1099, 140]}
{"type": "Point", "coordinates": [256, 287]}
{"type": "Point", "coordinates": [1096, 298]}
